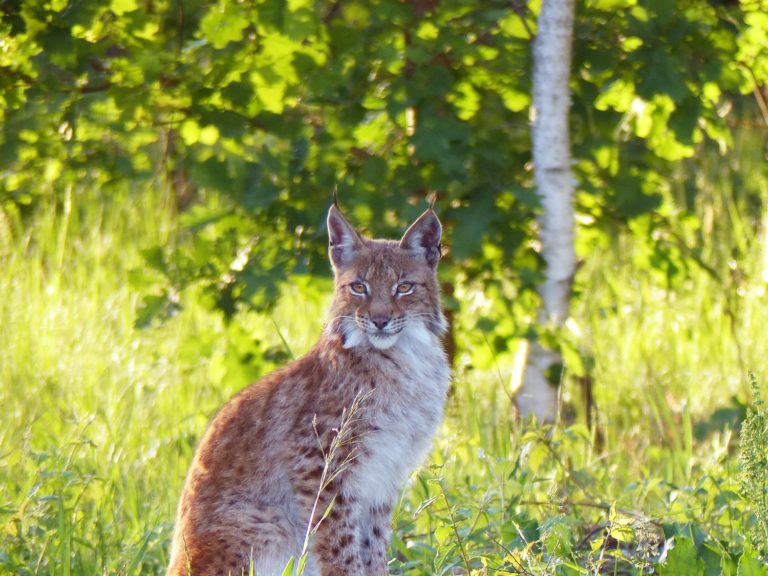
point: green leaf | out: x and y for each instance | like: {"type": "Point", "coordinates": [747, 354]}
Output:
{"type": "Point", "coordinates": [728, 566]}
{"type": "Point", "coordinates": [444, 534]}
{"type": "Point", "coordinates": [682, 560]}
{"type": "Point", "coordinates": [684, 119]}
{"type": "Point", "coordinates": [557, 534]}
{"type": "Point", "coordinates": [612, 4]}
{"type": "Point", "coordinates": [466, 99]}
{"type": "Point", "coordinates": [153, 307]}
{"type": "Point", "coordinates": [664, 75]}
{"type": "Point", "coordinates": [514, 25]}
{"type": "Point", "coordinates": [750, 566]}
{"type": "Point", "coordinates": [302, 564]}
{"type": "Point", "coordinates": [288, 570]}
{"type": "Point", "coordinates": [471, 226]}
{"type": "Point", "coordinates": [631, 200]}
{"type": "Point", "coordinates": [617, 95]}
{"type": "Point", "coordinates": [120, 7]}
{"type": "Point", "coordinates": [223, 23]}
{"type": "Point", "coordinates": [515, 100]}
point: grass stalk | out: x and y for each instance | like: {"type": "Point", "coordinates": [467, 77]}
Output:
{"type": "Point", "coordinates": [344, 440]}
{"type": "Point", "coordinates": [455, 527]}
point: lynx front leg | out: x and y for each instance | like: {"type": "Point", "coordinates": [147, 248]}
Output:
{"type": "Point", "coordinates": [375, 531]}
{"type": "Point", "coordinates": [336, 544]}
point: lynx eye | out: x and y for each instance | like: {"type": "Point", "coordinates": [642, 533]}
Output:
{"type": "Point", "coordinates": [405, 288]}
{"type": "Point", "coordinates": [358, 288]}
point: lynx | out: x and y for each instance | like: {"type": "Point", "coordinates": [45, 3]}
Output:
{"type": "Point", "coordinates": [273, 477]}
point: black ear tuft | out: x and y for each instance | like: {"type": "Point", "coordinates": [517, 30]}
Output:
{"type": "Point", "coordinates": [423, 237]}
{"type": "Point", "coordinates": [343, 239]}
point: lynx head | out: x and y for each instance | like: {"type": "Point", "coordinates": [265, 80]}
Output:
{"type": "Point", "coordinates": [385, 290]}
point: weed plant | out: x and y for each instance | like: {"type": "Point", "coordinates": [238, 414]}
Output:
{"type": "Point", "coordinates": [754, 467]}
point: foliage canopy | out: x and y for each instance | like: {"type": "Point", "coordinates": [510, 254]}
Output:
{"type": "Point", "coordinates": [258, 110]}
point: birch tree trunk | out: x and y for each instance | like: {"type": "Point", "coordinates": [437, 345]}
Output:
{"type": "Point", "coordinates": [554, 183]}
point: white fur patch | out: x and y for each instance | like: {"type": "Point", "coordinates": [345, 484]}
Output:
{"type": "Point", "coordinates": [407, 409]}
{"type": "Point", "coordinates": [384, 341]}
{"type": "Point", "coordinates": [350, 332]}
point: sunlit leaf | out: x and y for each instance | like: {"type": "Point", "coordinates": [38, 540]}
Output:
{"type": "Point", "coordinates": [120, 7]}
{"type": "Point", "coordinates": [682, 560]}
{"type": "Point", "coordinates": [223, 23]}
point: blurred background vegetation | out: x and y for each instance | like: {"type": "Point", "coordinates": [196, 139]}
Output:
{"type": "Point", "coordinates": [165, 169]}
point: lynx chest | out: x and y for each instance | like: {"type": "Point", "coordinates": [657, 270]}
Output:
{"type": "Point", "coordinates": [405, 410]}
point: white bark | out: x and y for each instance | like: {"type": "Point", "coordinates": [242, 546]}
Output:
{"type": "Point", "coordinates": [554, 184]}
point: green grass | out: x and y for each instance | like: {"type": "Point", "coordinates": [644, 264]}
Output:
{"type": "Point", "coordinates": [101, 418]}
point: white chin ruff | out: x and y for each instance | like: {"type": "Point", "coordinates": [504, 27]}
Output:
{"type": "Point", "coordinates": [383, 342]}
{"type": "Point", "coordinates": [415, 334]}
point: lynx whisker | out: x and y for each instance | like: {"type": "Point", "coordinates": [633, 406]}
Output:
{"type": "Point", "coordinates": [334, 323]}
{"type": "Point", "coordinates": [341, 318]}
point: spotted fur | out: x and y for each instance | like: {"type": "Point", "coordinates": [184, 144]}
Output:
{"type": "Point", "coordinates": [254, 482]}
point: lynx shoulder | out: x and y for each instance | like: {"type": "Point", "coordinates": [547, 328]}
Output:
{"type": "Point", "coordinates": [341, 428]}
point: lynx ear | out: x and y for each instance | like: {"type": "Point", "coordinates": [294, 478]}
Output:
{"type": "Point", "coordinates": [423, 237]}
{"type": "Point", "coordinates": [343, 239]}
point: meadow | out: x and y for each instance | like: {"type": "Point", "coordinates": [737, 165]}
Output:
{"type": "Point", "coordinates": [102, 410]}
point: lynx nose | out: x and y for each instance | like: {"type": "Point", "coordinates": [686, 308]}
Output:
{"type": "Point", "coordinates": [380, 321]}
